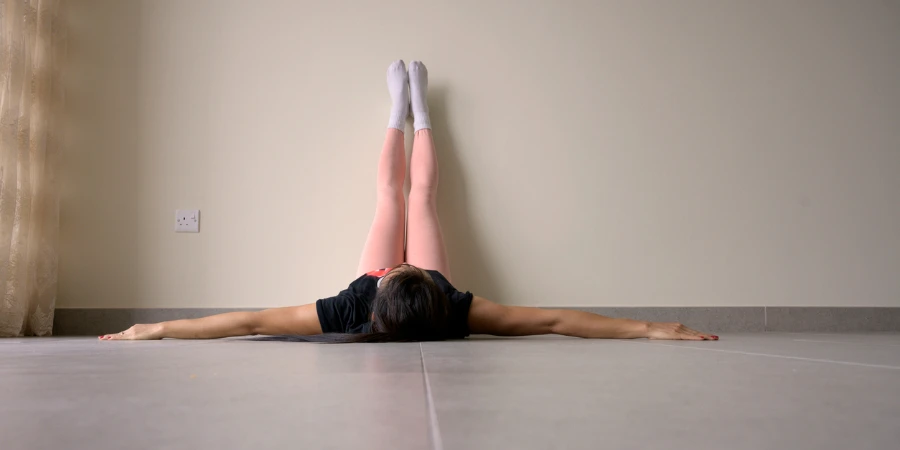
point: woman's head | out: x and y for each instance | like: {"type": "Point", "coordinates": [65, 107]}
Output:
{"type": "Point", "coordinates": [409, 306]}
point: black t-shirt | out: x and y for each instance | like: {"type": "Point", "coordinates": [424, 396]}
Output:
{"type": "Point", "coordinates": [350, 311]}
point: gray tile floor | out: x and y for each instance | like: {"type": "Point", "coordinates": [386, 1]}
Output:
{"type": "Point", "coordinates": [747, 391]}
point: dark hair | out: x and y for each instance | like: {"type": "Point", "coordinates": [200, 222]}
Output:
{"type": "Point", "coordinates": [408, 307]}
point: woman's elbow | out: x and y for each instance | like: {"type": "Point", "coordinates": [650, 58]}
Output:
{"type": "Point", "coordinates": [253, 323]}
{"type": "Point", "coordinates": [546, 321]}
{"type": "Point", "coordinates": [555, 323]}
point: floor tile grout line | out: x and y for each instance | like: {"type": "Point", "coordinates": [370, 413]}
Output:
{"type": "Point", "coordinates": [842, 334]}
{"type": "Point", "coordinates": [798, 358]}
{"type": "Point", "coordinates": [867, 344]}
{"type": "Point", "coordinates": [435, 430]}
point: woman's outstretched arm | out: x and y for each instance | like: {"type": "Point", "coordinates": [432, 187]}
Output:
{"type": "Point", "coordinates": [487, 317]}
{"type": "Point", "coordinates": [299, 320]}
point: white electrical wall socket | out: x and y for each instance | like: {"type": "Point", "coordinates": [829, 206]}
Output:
{"type": "Point", "coordinates": [187, 221]}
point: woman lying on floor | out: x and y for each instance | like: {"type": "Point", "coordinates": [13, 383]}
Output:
{"type": "Point", "coordinates": [411, 300]}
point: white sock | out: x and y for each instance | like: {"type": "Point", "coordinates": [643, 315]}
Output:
{"type": "Point", "coordinates": [418, 88]}
{"type": "Point", "coordinates": [398, 82]}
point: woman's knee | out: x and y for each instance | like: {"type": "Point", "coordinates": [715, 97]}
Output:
{"type": "Point", "coordinates": [391, 182]}
{"type": "Point", "coordinates": [423, 186]}
{"type": "Point", "coordinates": [391, 195]}
{"type": "Point", "coordinates": [422, 196]}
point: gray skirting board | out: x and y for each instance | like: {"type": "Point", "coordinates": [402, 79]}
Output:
{"type": "Point", "coordinates": [87, 322]}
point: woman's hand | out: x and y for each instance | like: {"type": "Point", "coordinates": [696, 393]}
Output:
{"type": "Point", "coordinates": [139, 332]}
{"type": "Point", "coordinates": [676, 331]}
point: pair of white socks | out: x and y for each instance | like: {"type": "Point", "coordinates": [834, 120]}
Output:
{"type": "Point", "coordinates": [416, 79]}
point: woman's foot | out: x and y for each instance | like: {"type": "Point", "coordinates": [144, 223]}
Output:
{"type": "Point", "coordinates": [418, 90]}
{"type": "Point", "coordinates": [398, 84]}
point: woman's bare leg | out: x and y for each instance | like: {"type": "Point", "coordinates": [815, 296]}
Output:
{"type": "Point", "coordinates": [384, 246]}
{"type": "Point", "coordinates": [424, 239]}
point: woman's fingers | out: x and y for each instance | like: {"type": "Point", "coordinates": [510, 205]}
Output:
{"type": "Point", "coordinates": [704, 336]}
{"type": "Point", "coordinates": [708, 337]}
{"type": "Point", "coordinates": [113, 337]}
{"type": "Point", "coordinates": [677, 331]}
{"type": "Point", "coordinates": [690, 334]}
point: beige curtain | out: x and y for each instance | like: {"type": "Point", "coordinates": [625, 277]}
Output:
{"type": "Point", "coordinates": [32, 46]}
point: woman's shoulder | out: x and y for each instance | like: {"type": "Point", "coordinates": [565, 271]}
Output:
{"type": "Point", "coordinates": [437, 276]}
{"type": "Point", "coordinates": [459, 302]}
{"type": "Point", "coordinates": [447, 286]}
{"type": "Point", "coordinates": [366, 284]}
{"type": "Point", "coordinates": [440, 280]}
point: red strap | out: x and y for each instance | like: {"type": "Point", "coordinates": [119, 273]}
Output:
{"type": "Point", "coordinates": [378, 273]}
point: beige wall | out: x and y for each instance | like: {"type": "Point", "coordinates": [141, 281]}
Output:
{"type": "Point", "coordinates": [592, 152]}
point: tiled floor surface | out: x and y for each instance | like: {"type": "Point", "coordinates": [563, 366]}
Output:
{"type": "Point", "coordinates": [747, 391]}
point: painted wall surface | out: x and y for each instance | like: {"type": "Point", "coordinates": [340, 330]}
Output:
{"type": "Point", "coordinates": [592, 153]}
